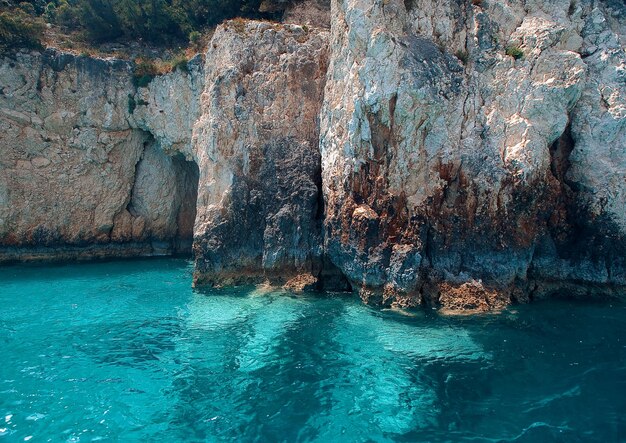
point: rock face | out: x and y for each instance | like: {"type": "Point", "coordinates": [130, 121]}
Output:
{"type": "Point", "coordinates": [462, 143]}
{"type": "Point", "coordinates": [169, 106]}
{"type": "Point", "coordinates": [78, 177]}
{"type": "Point", "coordinates": [454, 153]}
{"type": "Point", "coordinates": [259, 202]}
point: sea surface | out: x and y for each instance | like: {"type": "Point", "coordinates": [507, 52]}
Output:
{"type": "Point", "coordinates": [128, 351]}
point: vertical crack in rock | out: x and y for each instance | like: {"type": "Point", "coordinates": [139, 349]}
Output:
{"type": "Point", "coordinates": [189, 175]}
{"type": "Point", "coordinates": [126, 218]}
{"type": "Point", "coordinates": [582, 253]}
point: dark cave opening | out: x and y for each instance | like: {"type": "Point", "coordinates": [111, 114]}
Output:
{"type": "Point", "coordinates": [188, 175]}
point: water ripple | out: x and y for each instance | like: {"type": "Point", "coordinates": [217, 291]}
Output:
{"type": "Point", "coordinates": [128, 351]}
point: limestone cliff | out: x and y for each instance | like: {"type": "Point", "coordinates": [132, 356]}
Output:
{"type": "Point", "coordinates": [78, 177]}
{"type": "Point", "coordinates": [256, 143]}
{"type": "Point", "coordinates": [462, 144]}
{"type": "Point", "coordinates": [455, 153]}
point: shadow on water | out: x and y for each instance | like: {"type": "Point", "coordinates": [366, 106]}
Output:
{"type": "Point", "coordinates": [558, 374]}
{"type": "Point", "coordinates": [132, 343]}
{"type": "Point", "coordinates": [93, 269]}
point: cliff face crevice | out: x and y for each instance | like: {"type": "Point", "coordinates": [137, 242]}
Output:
{"type": "Point", "coordinates": [161, 206]}
{"type": "Point", "coordinates": [458, 154]}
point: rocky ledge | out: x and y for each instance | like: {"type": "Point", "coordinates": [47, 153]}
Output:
{"type": "Point", "coordinates": [456, 154]}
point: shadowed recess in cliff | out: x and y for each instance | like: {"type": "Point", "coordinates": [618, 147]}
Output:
{"type": "Point", "coordinates": [581, 247]}
{"type": "Point", "coordinates": [162, 203]}
{"type": "Point", "coordinates": [187, 211]}
{"type": "Point", "coordinates": [270, 225]}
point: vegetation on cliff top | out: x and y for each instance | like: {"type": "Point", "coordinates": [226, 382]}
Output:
{"type": "Point", "coordinates": [19, 29]}
{"type": "Point", "coordinates": [159, 22]}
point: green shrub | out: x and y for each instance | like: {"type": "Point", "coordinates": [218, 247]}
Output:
{"type": "Point", "coordinates": [180, 63]}
{"type": "Point", "coordinates": [132, 104]}
{"type": "Point", "coordinates": [514, 51]}
{"type": "Point", "coordinates": [151, 20]}
{"type": "Point", "coordinates": [38, 5]}
{"type": "Point", "coordinates": [194, 38]}
{"type": "Point", "coordinates": [67, 15]}
{"type": "Point", "coordinates": [50, 12]}
{"type": "Point", "coordinates": [156, 21]}
{"type": "Point", "coordinates": [28, 8]}
{"type": "Point", "coordinates": [19, 30]}
{"type": "Point", "coordinates": [99, 19]}
{"type": "Point", "coordinates": [145, 71]}
{"type": "Point", "coordinates": [142, 81]}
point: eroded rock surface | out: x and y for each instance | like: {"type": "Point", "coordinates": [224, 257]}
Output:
{"type": "Point", "coordinates": [259, 202]}
{"type": "Point", "coordinates": [449, 136]}
{"type": "Point", "coordinates": [78, 177]}
{"type": "Point", "coordinates": [169, 107]}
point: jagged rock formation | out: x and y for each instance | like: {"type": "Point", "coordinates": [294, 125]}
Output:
{"type": "Point", "coordinates": [443, 170]}
{"type": "Point", "coordinates": [457, 153]}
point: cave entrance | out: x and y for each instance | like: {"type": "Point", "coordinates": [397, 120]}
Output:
{"type": "Point", "coordinates": [187, 176]}
{"type": "Point", "coordinates": [162, 205]}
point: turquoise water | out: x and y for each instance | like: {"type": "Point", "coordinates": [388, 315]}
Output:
{"type": "Point", "coordinates": [127, 351]}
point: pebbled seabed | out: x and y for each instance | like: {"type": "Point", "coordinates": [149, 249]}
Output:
{"type": "Point", "coordinates": [127, 351]}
